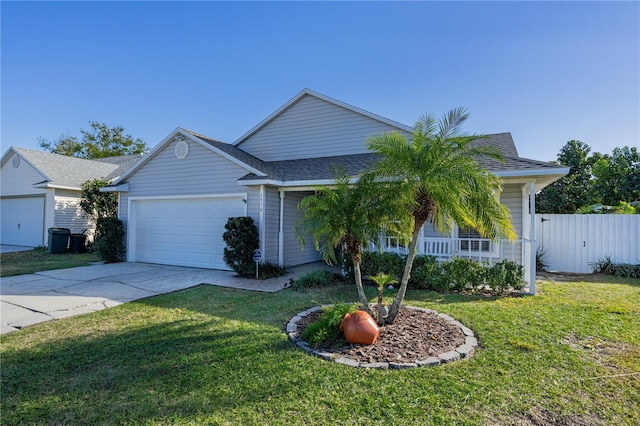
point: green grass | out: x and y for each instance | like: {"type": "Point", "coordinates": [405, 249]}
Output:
{"type": "Point", "coordinates": [36, 260]}
{"type": "Point", "coordinates": [211, 355]}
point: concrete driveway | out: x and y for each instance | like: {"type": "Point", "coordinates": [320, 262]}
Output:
{"type": "Point", "coordinates": [31, 299]}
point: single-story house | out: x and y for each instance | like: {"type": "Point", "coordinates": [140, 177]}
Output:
{"type": "Point", "coordinates": [176, 200]}
{"type": "Point", "coordinates": [41, 190]}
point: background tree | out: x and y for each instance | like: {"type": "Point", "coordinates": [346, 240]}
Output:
{"type": "Point", "coordinates": [617, 176]}
{"type": "Point", "coordinates": [98, 204]}
{"type": "Point", "coordinates": [350, 217]}
{"type": "Point", "coordinates": [444, 181]}
{"type": "Point", "coordinates": [596, 179]}
{"type": "Point", "coordinates": [99, 142]}
{"type": "Point", "coordinates": [575, 189]}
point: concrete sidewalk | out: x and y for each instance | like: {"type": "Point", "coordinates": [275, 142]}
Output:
{"type": "Point", "coordinates": [31, 299]}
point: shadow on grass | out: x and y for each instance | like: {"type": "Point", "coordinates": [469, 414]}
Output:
{"type": "Point", "coordinates": [177, 368]}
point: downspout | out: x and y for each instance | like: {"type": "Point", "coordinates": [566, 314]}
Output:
{"type": "Point", "coordinates": [532, 237]}
{"type": "Point", "coordinates": [281, 231]}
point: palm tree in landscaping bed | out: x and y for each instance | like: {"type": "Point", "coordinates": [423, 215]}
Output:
{"type": "Point", "coordinates": [440, 173]}
{"type": "Point", "coordinates": [350, 216]}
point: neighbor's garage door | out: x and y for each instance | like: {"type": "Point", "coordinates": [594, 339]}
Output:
{"type": "Point", "coordinates": [22, 221]}
{"type": "Point", "coordinates": [184, 232]}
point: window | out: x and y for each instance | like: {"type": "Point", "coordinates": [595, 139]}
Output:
{"type": "Point", "coordinates": [471, 240]}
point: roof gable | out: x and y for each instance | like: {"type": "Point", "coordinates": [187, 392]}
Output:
{"type": "Point", "coordinates": [308, 92]}
{"type": "Point", "coordinates": [231, 153]}
{"type": "Point", "coordinates": [62, 171]}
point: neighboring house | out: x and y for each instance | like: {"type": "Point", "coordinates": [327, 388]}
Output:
{"type": "Point", "coordinates": [40, 190]}
{"type": "Point", "coordinates": [176, 200]}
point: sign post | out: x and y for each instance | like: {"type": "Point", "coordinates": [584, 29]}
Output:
{"type": "Point", "coordinates": [257, 257]}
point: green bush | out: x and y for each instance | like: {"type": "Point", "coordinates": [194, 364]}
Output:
{"type": "Point", "coordinates": [325, 331]}
{"type": "Point", "coordinates": [268, 270]}
{"type": "Point", "coordinates": [374, 262]}
{"type": "Point", "coordinates": [504, 276]}
{"type": "Point", "coordinates": [427, 274]}
{"type": "Point", "coordinates": [241, 236]}
{"type": "Point", "coordinates": [463, 274]}
{"type": "Point", "coordinates": [317, 279]}
{"type": "Point", "coordinates": [109, 241]}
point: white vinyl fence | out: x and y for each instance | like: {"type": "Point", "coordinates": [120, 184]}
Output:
{"type": "Point", "coordinates": [575, 242]}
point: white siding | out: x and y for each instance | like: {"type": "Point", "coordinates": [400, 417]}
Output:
{"type": "Point", "coordinates": [19, 181]}
{"type": "Point", "coordinates": [313, 128]}
{"type": "Point", "coordinates": [68, 214]}
{"type": "Point", "coordinates": [294, 254]}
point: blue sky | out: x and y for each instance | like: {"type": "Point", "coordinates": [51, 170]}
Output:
{"type": "Point", "coordinates": [547, 72]}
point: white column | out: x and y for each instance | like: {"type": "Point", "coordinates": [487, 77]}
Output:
{"type": "Point", "coordinates": [262, 221]}
{"type": "Point", "coordinates": [532, 236]}
{"type": "Point", "coordinates": [281, 231]}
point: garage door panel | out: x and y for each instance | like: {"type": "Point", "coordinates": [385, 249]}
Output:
{"type": "Point", "coordinates": [22, 221]}
{"type": "Point", "coordinates": [184, 232]}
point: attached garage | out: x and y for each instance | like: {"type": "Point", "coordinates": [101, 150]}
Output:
{"type": "Point", "coordinates": [182, 231]}
{"type": "Point", "coordinates": [22, 221]}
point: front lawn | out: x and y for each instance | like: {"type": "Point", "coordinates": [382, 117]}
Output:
{"type": "Point", "coordinates": [39, 259]}
{"type": "Point", "coordinates": [211, 355]}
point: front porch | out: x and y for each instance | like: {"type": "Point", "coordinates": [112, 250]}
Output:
{"type": "Point", "coordinates": [481, 250]}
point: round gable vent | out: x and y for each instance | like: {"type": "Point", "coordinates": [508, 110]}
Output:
{"type": "Point", "coordinates": [15, 161]}
{"type": "Point", "coordinates": [182, 149]}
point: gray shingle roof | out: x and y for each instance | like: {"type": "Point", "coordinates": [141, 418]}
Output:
{"type": "Point", "coordinates": [321, 168]}
{"type": "Point", "coordinates": [72, 172]}
{"type": "Point", "coordinates": [124, 163]}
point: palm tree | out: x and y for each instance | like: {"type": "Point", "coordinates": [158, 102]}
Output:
{"type": "Point", "coordinates": [350, 216]}
{"type": "Point", "coordinates": [445, 181]}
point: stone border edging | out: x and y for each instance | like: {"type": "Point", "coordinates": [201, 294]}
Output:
{"type": "Point", "coordinates": [463, 351]}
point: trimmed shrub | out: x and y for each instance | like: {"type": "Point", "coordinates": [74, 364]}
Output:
{"type": "Point", "coordinates": [504, 276]}
{"type": "Point", "coordinates": [109, 241]}
{"type": "Point", "coordinates": [374, 262]}
{"type": "Point", "coordinates": [325, 331]}
{"type": "Point", "coordinates": [463, 274]}
{"type": "Point", "coordinates": [241, 236]}
{"type": "Point", "coordinates": [427, 274]}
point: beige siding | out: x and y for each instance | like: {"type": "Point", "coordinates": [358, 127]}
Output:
{"type": "Point", "coordinates": [294, 254]}
{"type": "Point", "coordinates": [313, 128]}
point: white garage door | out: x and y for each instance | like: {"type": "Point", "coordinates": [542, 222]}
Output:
{"type": "Point", "coordinates": [184, 232]}
{"type": "Point", "coordinates": [22, 221]}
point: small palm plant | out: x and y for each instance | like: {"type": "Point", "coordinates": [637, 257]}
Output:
{"type": "Point", "coordinates": [382, 280]}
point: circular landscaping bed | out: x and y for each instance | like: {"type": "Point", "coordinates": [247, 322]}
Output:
{"type": "Point", "coordinates": [418, 337]}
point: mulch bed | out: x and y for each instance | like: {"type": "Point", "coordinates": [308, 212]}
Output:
{"type": "Point", "coordinates": [415, 335]}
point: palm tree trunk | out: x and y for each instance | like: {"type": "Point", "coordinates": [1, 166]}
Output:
{"type": "Point", "coordinates": [397, 303]}
{"type": "Point", "coordinates": [358, 276]}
